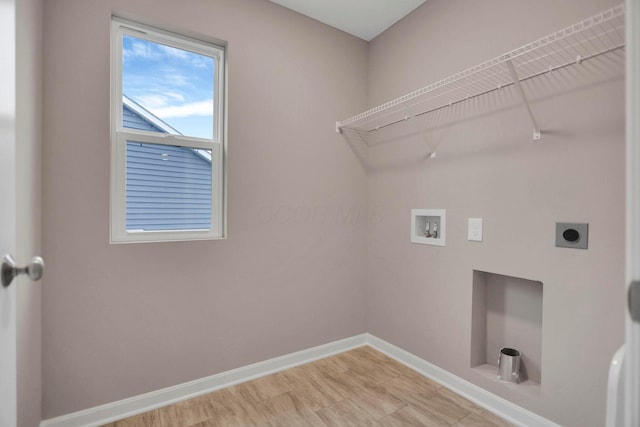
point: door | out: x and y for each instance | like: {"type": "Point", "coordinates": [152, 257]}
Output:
{"type": "Point", "coordinates": [632, 345]}
{"type": "Point", "coordinates": [8, 375]}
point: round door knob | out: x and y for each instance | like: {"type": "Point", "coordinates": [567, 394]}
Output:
{"type": "Point", "coordinates": [35, 269]}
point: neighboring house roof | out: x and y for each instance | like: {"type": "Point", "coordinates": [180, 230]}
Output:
{"type": "Point", "coordinates": [135, 116]}
{"type": "Point", "coordinates": [148, 116]}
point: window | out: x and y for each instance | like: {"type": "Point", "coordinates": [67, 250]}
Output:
{"type": "Point", "coordinates": [167, 136]}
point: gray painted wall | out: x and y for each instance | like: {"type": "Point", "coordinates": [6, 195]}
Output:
{"type": "Point", "coordinates": [127, 319]}
{"type": "Point", "coordinates": [420, 297]}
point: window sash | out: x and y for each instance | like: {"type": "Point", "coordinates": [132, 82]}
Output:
{"type": "Point", "coordinates": [123, 27]}
{"type": "Point", "coordinates": [119, 233]}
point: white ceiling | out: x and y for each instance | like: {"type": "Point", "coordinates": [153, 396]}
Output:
{"type": "Point", "coordinates": [362, 18]}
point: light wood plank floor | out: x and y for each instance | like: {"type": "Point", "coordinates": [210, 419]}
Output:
{"type": "Point", "coordinates": [361, 387]}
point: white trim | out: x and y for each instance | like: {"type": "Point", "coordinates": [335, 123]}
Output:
{"type": "Point", "coordinates": [615, 391]}
{"type": "Point", "coordinates": [110, 412]}
{"type": "Point", "coordinates": [499, 406]}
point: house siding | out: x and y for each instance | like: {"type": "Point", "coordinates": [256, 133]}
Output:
{"type": "Point", "coordinates": [167, 187]}
{"type": "Point", "coordinates": [132, 120]}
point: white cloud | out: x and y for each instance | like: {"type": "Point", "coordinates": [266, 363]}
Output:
{"type": "Point", "coordinates": [201, 61]}
{"type": "Point", "coordinates": [148, 50]}
{"type": "Point", "coordinates": [140, 50]}
{"type": "Point", "coordinates": [173, 52]}
{"type": "Point", "coordinates": [154, 101]}
{"type": "Point", "coordinates": [175, 79]}
{"type": "Point", "coordinates": [194, 59]}
{"type": "Point", "coordinates": [176, 96]}
{"type": "Point", "coordinates": [200, 108]}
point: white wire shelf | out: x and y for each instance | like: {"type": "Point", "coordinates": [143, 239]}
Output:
{"type": "Point", "coordinates": [587, 39]}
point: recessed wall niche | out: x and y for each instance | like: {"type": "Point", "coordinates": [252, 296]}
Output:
{"type": "Point", "coordinates": [428, 226]}
{"type": "Point", "coordinates": [506, 312]}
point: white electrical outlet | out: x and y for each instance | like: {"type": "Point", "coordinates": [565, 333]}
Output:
{"type": "Point", "coordinates": [474, 229]}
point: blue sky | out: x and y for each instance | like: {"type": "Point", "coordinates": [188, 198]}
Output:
{"type": "Point", "coordinates": [174, 84]}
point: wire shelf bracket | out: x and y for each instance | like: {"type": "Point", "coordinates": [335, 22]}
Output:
{"type": "Point", "coordinates": [571, 46]}
{"type": "Point", "coordinates": [516, 81]}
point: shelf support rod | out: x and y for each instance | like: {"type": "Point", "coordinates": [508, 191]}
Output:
{"type": "Point", "coordinates": [523, 98]}
{"type": "Point", "coordinates": [420, 129]}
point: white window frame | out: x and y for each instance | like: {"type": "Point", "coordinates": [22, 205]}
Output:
{"type": "Point", "coordinates": [120, 135]}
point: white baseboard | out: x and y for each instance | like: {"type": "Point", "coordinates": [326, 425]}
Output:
{"type": "Point", "coordinates": [499, 406]}
{"type": "Point", "coordinates": [110, 412]}
{"type": "Point", "coordinates": [120, 409]}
